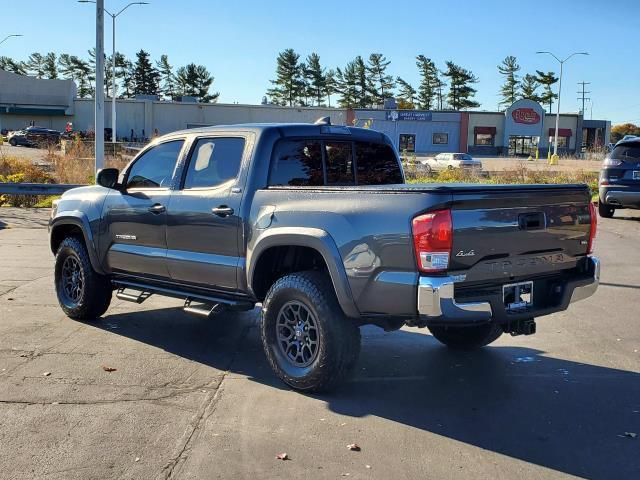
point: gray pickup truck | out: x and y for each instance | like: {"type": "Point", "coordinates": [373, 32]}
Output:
{"type": "Point", "coordinates": [315, 222]}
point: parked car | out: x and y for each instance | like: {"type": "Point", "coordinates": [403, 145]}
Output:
{"type": "Point", "coordinates": [443, 161]}
{"type": "Point", "coordinates": [620, 178]}
{"type": "Point", "coordinates": [315, 223]}
{"type": "Point", "coordinates": [34, 137]}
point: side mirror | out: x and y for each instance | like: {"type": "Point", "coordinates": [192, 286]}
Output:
{"type": "Point", "coordinates": [108, 177]}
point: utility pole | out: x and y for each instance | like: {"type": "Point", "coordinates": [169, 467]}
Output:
{"type": "Point", "coordinates": [583, 94]}
{"type": "Point", "coordinates": [99, 107]}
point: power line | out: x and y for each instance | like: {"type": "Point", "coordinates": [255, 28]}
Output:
{"type": "Point", "coordinates": [583, 94]}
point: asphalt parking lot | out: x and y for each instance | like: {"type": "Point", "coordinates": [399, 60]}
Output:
{"type": "Point", "coordinates": [195, 398]}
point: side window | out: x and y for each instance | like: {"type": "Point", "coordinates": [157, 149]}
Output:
{"type": "Point", "coordinates": [297, 163]}
{"type": "Point", "coordinates": [339, 163]}
{"type": "Point", "coordinates": [154, 169]}
{"type": "Point", "coordinates": [214, 161]}
{"type": "Point", "coordinates": [377, 164]}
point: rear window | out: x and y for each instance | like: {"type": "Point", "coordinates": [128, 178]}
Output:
{"type": "Point", "coordinates": [626, 152]}
{"type": "Point", "coordinates": [377, 164]}
{"type": "Point", "coordinates": [305, 162]}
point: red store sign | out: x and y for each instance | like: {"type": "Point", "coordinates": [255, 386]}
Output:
{"type": "Point", "coordinates": [527, 116]}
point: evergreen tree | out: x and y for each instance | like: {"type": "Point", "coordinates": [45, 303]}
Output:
{"type": "Point", "coordinates": [407, 94]}
{"type": "Point", "coordinates": [461, 92]}
{"type": "Point", "coordinates": [204, 80]}
{"type": "Point", "coordinates": [316, 79]}
{"type": "Point", "coordinates": [168, 82]}
{"type": "Point", "coordinates": [509, 90]}
{"type": "Point", "coordinates": [10, 65]}
{"type": "Point", "coordinates": [107, 70]}
{"type": "Point", "coordinates": [288, 85]}
{"type": "Point", "coordinates": [50, 65]}
{"type": "Point", "coordinates": [35, 65]}
{"type": "Point", "coordinates": [145, 77]}
{"type": "Point", "coordinates": [194, 81]}
{"type": "Point", "coordinates": [429, 82]}
{"type": "Point", "coordinates": [79, 71]}
{"type": "Point", "coordinates": [347, 86]}
{"type": "Point", "coordinates": [547, 80]}
{"type": "Point", "coordinates": [529, 87]}
{"type": "Point", "coordinates": [381, 84]}
{"type": "Point", "coordinates": [124, 74]}
{"type": "Point", "coordinates": [363, 84]}
{"type": "Point", "coordinates": [330, 85]}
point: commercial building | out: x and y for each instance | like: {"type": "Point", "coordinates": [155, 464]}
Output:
{"type": "Point", "coordinates": [520, 130]}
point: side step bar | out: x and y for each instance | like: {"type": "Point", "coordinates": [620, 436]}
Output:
{"type": "Point", "coordinates": [146, 290]}
{"type": "Point", "coordinates": [205, 310]}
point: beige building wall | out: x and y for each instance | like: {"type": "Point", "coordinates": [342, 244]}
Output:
{"type": "Point", "coordinates": [481, 119]}
{"type": "Point", "coordinates": [566, 121]}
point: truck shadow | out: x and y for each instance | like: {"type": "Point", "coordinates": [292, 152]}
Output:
{"type": "Point", "coordinates": [566, 416]}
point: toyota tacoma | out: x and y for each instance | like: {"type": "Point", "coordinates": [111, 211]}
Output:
{"type": "Point", "coordinates": [316, 223]}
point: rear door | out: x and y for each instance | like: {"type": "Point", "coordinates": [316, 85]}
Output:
{"type": "Point", "coordinates": [625, 168]}
{"type": "Point", "coordinates": [134, 219]}
{"type": "Point", "coordinates": [203, 223]}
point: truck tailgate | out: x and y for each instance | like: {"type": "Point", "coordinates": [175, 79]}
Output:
{"type": "Point", "coordinates": [511, 233]}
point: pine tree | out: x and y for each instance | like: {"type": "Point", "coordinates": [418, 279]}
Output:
{"type": "Point", "coordinates": [381, 84]}
{"type": "Point", "coordinates": [145, 77]}
{"type": "Point", "coordinates": [168, 83]}
{"type": "Point", "coordinates": [316, 79]}
{"type": "Point", "coordinates": [407, 94]}
{"type": "Point", "coordinates": [429, 82]}
{"type": "Point", "coordinates": [10, 65]}
{"type": "Point", "coordinates": [363, 84]}
{"type": "Point", "coordinates": [124, 73]}
{"type": "Point", "coordinates": [461, 92]}
{"type": "Point", "coordinates": [330, 85]}
{"type": "Point", "coordinates": [288, 85]}
{"type": "Point", "coordinates": [547, 80]}
{"type": "Point", "coordinates": [529, 87]}
{"type": "Point", "coordinates": [78, 70]}
{"type": "Point", "coordinates": [35, 65]}
{"type": "Point", "coordinates": [194, 81]}
{"type": "Point", "coordinates": [204, 80]}
{"type": "Point", "coordinates": [509, 90]}
{"type": "Point", "coordinates": [347, 86]}
{"type": "Point", "coordinates": [50, 65]}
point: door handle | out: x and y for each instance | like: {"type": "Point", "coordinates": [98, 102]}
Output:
{"type": "Point", "coordinates": [222, 211]}
{"type": "Point", "coordinates": [157, 208]}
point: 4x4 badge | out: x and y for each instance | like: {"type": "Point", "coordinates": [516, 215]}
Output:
{"type": "Point", "coordinates": [462, 253]}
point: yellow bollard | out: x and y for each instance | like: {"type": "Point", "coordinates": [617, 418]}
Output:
{"type": "Point", "coordinates": [537, 154]}
{"type": "Point", "coordinates": [554, 160]}
{"type": "Point", "coordinates": [530, 159]}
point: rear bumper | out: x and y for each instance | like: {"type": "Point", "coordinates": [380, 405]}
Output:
{"type": "Point", "coordinates": [618, 197]}
{"type": "Point", "coordinates": [437, 305]}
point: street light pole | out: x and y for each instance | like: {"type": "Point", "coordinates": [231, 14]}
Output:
{"type": "Point", "coordinates": [113, 62]}
{"type": "Point", "coordinates": [555, 141]}
{"type": "Point", "coordinates": [9, 36]}
{"type": "Point", "coordinates": [99, 99]}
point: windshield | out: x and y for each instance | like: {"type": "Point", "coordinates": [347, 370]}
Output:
{"type": "Point", "coordinates": [626, 152]}
{"type": "Point", "coordinates": [463, 156]}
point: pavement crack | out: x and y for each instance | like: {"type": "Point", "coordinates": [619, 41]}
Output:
{"type": "Point", "coordinates": [208, 407]}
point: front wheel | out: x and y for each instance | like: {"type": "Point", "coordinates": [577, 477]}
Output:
{"type": "Point", "coordinates": [82, 293]}
{"type": "Point", "coordinates": [13, 142]}
{"type": "Point", "coordinates": [605, 210]}
{"type": "Point", "coordinates": [309, 342]}
{"type": "Point", "coordinates": [467, 338]}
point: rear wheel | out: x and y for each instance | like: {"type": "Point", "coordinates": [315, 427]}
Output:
{"type": "Point", "coordinates": [309, 342]}
{"type": "Point", "coordinates": [13, 142]}
{"type": "Point", "coordinates": [605, 210]}
{"type": "Point", "coordinates": [467, 338]}
{"type": "Point", "coordinates": [82, 293]}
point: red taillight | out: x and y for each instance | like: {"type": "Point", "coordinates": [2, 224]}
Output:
{"type": "Point", "coordinates": [594, 227]}
{"type": "Point", "coordinates": [432, 236]}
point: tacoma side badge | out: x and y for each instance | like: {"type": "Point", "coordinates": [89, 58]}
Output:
{"type": "Point", "coordinates": [462, 253]}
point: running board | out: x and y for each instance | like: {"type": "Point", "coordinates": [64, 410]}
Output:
{"type": "Point", "coordinates": [149, 289]}
{"type": "Point", "coordinates": [203, 309]}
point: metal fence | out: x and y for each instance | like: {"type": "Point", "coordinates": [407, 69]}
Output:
{"type": "Point", "coordinates": [36, 188]}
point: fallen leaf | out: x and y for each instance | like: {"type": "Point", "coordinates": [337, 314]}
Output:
{"type": "Point", "coordinates": [137, 459]}
{"type": "Point", "coordinates": [282, 456]}
{"type": "Point", "coordinates": [368, 466]}
{"type": "Point", "coordinates": [346, 474]}
{"type": "Point", "coordinates": [108, 369]}
{"type": "Point", "coordinates": [46, 374]}
{"type": "Point", "coordinates": [630, 434]}
{"type": "Point", "coordinates": [354, 446]}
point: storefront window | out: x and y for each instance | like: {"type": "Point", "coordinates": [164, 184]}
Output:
{"type": "Point", "coordinates": [407, 142]}
{"type": "Point", "coordinates": [440, 138]}
{"type": "Point", "coordinates": [484, 139]}
{"type": "Point", "coordinates": [563, 142]}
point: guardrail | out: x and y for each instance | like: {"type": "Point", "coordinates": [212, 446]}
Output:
{"type": "Point", "coordinates": [36, 188]}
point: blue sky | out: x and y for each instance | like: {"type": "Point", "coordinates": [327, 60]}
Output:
{"type": "Point", "coordinates": [239, 40]}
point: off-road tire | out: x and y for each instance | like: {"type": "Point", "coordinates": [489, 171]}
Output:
{"type": "Point", "coordinates": [338, 344]}
{"type": "Point", "coordinates": [94, 296]}
{"type": "Point", "coordinates": [605, 211]}
{"type": "Point", "coordinates": [467, 338]}
{"type": "Point", "coordinates": [13, 142]}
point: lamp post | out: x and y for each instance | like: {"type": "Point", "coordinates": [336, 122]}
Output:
{"type": "Point", "coordinates": [555, 141]}
{"type": "Point", "coordinates": [113, 61]}
{"type": "Point", "coordinates": [9, 36]}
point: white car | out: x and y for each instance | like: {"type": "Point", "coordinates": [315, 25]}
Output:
{"type": "Point", "coordinates": [444, 161]}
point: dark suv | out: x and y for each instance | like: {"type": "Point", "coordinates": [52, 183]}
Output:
{"type": "Point", "coordinates": [620, 178]}
{"type": "Point", "coordinates": [34, 137]}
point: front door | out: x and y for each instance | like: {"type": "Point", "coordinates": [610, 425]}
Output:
{"type": "Point", "coordinates": [135, 218]}
{"type": "Point", "coordinates": [203, 222]}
